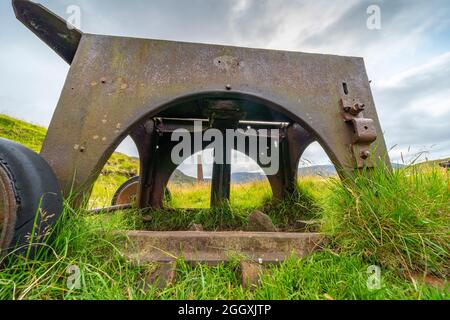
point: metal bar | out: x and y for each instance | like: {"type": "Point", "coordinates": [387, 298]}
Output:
{"type": "Point", "coordinates": [169, 125]}
{"type": "Point", "coordinates": [221, 178]}
{"type": "Point", "coordinates": [50, 28]}
{"type": "Point", "coordinates": [216, 247]}
{"type": "Point", "coordinates": [111, 209]}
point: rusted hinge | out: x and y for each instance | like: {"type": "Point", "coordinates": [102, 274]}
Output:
{"type": "Point", "coordinates": [365, 132]}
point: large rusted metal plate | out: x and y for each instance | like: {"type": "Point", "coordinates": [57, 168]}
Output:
{"type": "Point", "coordinates": [116, 83]}
{"type": "Point", "coordinates": [215, 247]}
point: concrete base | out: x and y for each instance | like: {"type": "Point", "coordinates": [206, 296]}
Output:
{"type": "Point", "coordinates": [215, 247]}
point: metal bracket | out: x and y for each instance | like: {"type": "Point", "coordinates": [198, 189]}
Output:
{"type": "Point", "coordinates": [50, 28]}
{"type": "Point", "coordinates": [364, 129]}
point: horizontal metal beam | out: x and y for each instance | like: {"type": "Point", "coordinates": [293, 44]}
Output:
{"type": "Point", "coordinates": [169, 125]}
{"type": "Point", "coordinates": [111, 209]}
{"type": "Point", "coordinates": [216, 247]}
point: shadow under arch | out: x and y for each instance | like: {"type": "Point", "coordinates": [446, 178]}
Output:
{"type": "Point", "coordinates": [141, 127]}
{"type": "Point", "coordinates": [255, 108]}
{"type": "Point", "coordinates": [153, 139]}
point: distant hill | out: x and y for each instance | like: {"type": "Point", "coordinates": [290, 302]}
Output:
{"type": "Point", "coordinates": [321, 171]}
{"type": "Point", "coordinates": [244, 177]}
{"type": "Point", "coordinates": [180, 178]}
{"type": "Point", "coordinates": [325, 171]}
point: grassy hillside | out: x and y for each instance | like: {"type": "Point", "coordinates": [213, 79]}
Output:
{"type": "Point", "coordinates": [22, 132]}
{"type": "Point", "coordinates": [399, 221]}
{"type": "Point", "coordinates": [32, 136]}
{"type": "Point", "coordinates": [118, 169]}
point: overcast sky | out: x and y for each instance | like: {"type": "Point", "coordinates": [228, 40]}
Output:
{"type": "Point", "coordinates": [408, 59]}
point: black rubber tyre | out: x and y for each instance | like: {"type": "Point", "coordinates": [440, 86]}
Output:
{"type": "Point", "coordinates": [123, 187]}
{"type": "Point", "coordinates": [30, 199]}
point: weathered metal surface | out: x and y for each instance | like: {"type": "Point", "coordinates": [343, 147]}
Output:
{"type": "Point", "coordinates": [364, 129]}
{"type": "Point", "coordinates": [216, 247]}
{"type": "Point", "coordinates": [8, 209]}
{"type": "Point", "coordinates": [111, 209]}
{"type": "Point", "coordinates": [50, 28]}
{"type": "Point", "coordinates": [116, 85]}
{"type": "Point", "coordinates": [127, 193]}
{"type": "Point", "coordinates": [445, 164]}
{"type": "Point", "coordinates": [223, 115]}
{"type": "Point", "coordinates": [294, 141]}
{"type": "Point", "coordinates": [157, 166]}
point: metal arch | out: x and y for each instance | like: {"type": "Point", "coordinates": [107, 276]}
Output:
{"type": "Point", "coordinates": [153, 140]}
{"type": "Point", "coordinates": [114, 83]}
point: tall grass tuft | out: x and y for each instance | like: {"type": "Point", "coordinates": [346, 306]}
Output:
{"type": "Point", "coordinates": [399, 219]}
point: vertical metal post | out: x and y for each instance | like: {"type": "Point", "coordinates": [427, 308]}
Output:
{"type": "Point", "coordinates": [224, 114]}
{"type": "Point", "coordinates": [221, 178]}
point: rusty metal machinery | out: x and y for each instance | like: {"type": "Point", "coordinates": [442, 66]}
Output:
{"type": "Point", "coordinates": [445, 164]}
{"type": "Point", "coordinates": [146, 89]}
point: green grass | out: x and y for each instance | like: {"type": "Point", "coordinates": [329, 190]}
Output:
{"type": "Point", "coordinates": [89, 243]}
{"type": "Point", "coordinates": [22, 132]}
{"type": "Point", "coordinates": [398, 221]}
{"type": "Point", "coordinates": [339, 272]}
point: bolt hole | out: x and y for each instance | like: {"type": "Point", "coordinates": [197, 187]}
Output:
{"type": "Point", "coordinates": [345, 86]}
{"type": "Point", "coordinates": [366, 127]}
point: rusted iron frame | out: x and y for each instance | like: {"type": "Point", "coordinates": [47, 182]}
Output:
{"type": "Point", "coordinates": [217, 247]}
{"type": "Point", "coordinates": [364, 130]}
{"type": "Point", "coordinates": [154, 145]}
{"type": "Point", "coordinates": [445, 164]}
{"type": "Point", "coordinates": [305, 88]}
{"type": "Point", "coordinates": [111, 209]}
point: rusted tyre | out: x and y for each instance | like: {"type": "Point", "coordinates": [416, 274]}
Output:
{"type": "Point", "coordinates": [127, 193]}
{"type": "Point", "coordinates": [30, 199]}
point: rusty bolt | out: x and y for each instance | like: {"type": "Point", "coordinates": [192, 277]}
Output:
{"type": "Point", "coordinates": [365, 155]}
{"type": "Point", "coordinates": [357, 108]}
